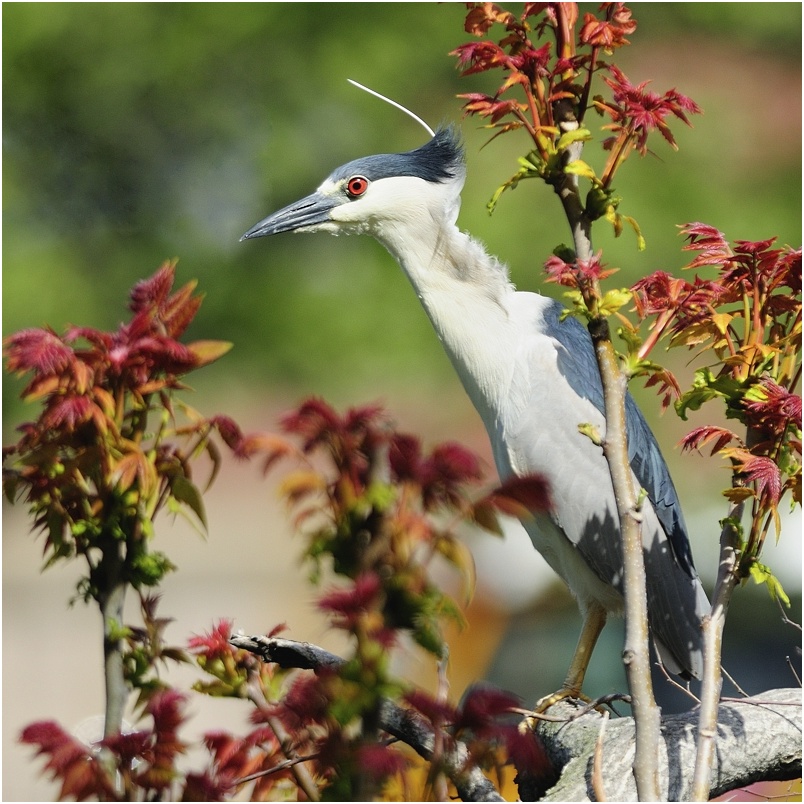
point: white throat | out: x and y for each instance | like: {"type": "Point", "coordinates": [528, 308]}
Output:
{"type": "Point", "coordinates": [465, 293]}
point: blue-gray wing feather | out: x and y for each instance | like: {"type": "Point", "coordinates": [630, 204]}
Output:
{"type": "Point", "coordinates": [582, 373]}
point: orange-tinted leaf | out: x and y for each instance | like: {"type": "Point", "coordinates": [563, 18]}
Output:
{"type": "Point", "coordinates": [484, 514]}
{"type": "Point", "coordinates": [207, 352]}
{"type": "Point", "coordinates": [301, 483]}
{"type": "Point", "coordinates": [41, 386]}
{"type": "Point", "coordinates": [460, 556]}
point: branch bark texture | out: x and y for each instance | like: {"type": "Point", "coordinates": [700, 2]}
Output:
{"type": "Point", "coordinates": [400, 722]}
{"type": "Point", "coordinates": [759, 739]}
{"type": "Point", "coordinates": [636, 653]}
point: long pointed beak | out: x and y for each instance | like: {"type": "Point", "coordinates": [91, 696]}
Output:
{"type": "Point", "coordinates": [303, 215]}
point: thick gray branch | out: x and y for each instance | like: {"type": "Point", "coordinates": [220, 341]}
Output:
{"type": "Point", "coordinates": [758, 738]}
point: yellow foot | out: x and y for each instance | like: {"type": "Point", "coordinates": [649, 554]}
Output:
{"type": "Point", "coordinates": [543, 704]}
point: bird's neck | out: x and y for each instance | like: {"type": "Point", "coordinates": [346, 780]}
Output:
{"type": "Point", "coordinates": [465, 293]}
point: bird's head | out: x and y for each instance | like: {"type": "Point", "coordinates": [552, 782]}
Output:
{"type": "Point", "coordinates": [410, 189]}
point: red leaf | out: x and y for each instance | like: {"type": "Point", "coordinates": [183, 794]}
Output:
{"type": "Point", "coordinates": [179, 310]}
{"type": "Point", "coordinates": [437, 712]}
{"type": "Point", "coordinates": [767, 476]}
{"type": "Point", "coordinates": [311, 420]}
{"type": "Point", "coordinates": [404, 456]}
{"type": "Point", "coordinates": [306, 701]}
{"type": "Point", "coordinates": [482, 704]}
{"type": "Point", "coordinates": [69, 760]}
{"type": "Point", "coordinates": [165, 708]}
{"type": "Point", "coordinates": [702, 435]}
{"type": "Point", "coordinates": [779, 409]}
{"type": "Point", "coordinates": [152, 292]}
{"type": "Point", "coordinates": [353, 601]}
{"type": "Point", "coordinates": [379, 761]}
{"type": "Point", "coordinates": [521, 496]}
{"type": "Point", "coordinates": [67, 412]}
{"type": "Point", "coordinates": [206, 786]}
{"type": "Point", "coordinates": [527, 753]}
{"type": "Point", "coordinates": [214, 645]}
{"type": "Point", "coordinates": [38, 350]}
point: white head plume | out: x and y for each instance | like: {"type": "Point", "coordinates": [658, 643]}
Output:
{"type": "Point", "coordinates": [394, 103]}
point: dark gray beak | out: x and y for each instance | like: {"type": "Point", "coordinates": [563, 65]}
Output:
{"type": "Point", "coordinates": [304, 215]}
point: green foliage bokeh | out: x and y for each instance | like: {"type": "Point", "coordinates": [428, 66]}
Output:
{"type": "Point", "coordinates": [139, 132]}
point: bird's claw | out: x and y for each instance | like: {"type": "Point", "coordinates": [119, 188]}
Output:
{"type": "Point", "coordinates": [565, 693]}
{"type": "Point", "coordinates": [544, 703]}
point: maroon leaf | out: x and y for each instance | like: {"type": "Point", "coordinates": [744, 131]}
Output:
{"type": "Point", "coordinates": [379, 761]}
{"type": "Point", "coordinates": [702, 435]}
{"type": "Point", "coordinates": [404, 456]}
{"type": "Point", "coordinates": [483, 704]}
{"type": "Point", "coordinates": [767, 476]}
{"type": "Point", "coordinates": [353, 601]}
{"type": "Point", "coordinates": [521, 496]}
{"type": "Point", "coordinates": [437, 712]}
{"type": "Point", "coordinates": [152, 292]}
{"type": "Point", "coordinates": [70, 761]}
{"type": "Point", "coordinates": [778, 410]}
{"type": "Point", "coordinates": [37, 350]}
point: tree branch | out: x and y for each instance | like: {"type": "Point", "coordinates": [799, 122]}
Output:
{"type": "Point", "coordinates": [404, 724]}
{"type": "Point", "coordinates": [636, 653]}
{"type": "Point", "coordinates": [743, 753]}
{"type": "Point", "coordinates": [727, 579]}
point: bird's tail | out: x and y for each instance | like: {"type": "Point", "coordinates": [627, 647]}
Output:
{"type": "Point", "coordinates": [678, 634]}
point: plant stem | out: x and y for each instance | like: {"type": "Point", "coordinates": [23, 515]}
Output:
{"type": "Point", "coordinates": [727, 579]}
{"type": "Point", "coordinates": [636, 654]}
{"type": "Point", "coordinates": [111, 600]}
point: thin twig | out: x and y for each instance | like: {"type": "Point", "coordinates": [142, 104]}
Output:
{"type": "Point", "coordinates": [647, 716]}
{"type": "Point", "coordinates": [682, 687]}
{"type": "Point", "coordinates": [785, 619]}
{"type": "Point", "coordinates": [288, 763]}
{"type": "Point", "coordinates": [302, 775]}
{"type": "Point", "coordinates": [793, 670]}
{"type": "Point", "coordinates": [440, 789]}
{"type": "Point", "coordinates": [733, 682]}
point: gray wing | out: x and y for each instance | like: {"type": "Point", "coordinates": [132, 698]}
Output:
{"type": "Point", "coordinates": [676, 599]}
{"type": "Point", "coordinates": [579, 365]}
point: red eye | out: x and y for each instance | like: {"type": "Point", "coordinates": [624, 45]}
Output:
{"type": "Point", "coordinates": [357, 185]}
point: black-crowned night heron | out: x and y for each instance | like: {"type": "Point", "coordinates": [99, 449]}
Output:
{"type": "Point", "coordinates": [533, 378]}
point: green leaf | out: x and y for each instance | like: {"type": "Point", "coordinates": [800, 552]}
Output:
{"type": "Point", "coordinates": [580, 168]}
{"type": "Point", "coordinates": [148, 569]}
{"type": "Point", "coordinates": [591, 432]}
{"type": "Point", "coordinates": [762, 574]}
{"type": "Point", "coordinates": [186, 492]}
{"type": "Point", "coordinates": [570, 137]}
{"type": "Point", "coordinates": [706, 386]}
{"type": "Point", "coordinates": [613, 300]}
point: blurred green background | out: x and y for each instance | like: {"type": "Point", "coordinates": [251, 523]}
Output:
{"type": "Point", "coordinates": [139, 132]}
{"type": "Point", "coordinates": [134, 133]}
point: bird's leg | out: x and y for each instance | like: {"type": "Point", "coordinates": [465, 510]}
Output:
{"type": "Point", "coordinates": [593, 622]}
